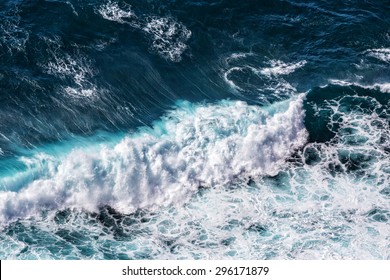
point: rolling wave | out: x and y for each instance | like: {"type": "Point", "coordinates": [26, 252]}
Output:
{"type": "Point", "coordinates": [193, 146]}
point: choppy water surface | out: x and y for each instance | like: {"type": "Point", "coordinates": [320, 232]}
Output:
{"type": "Point", "coordinates": [194, 129]}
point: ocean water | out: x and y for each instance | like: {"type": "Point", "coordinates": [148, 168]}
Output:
{"type": "Point", "coordinates": [185, 129]}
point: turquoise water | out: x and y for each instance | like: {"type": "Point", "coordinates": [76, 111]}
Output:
{"type": "Point", "coordinates": [194, 130]}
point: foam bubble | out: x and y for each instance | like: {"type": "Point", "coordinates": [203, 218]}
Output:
{"type": "Point", "coordinates": [193, 146]}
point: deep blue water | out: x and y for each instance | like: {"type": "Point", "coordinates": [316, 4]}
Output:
{"type": "Point", "coordinates": [194, 129]}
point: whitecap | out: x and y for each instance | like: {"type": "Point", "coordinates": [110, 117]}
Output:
{"type": "Point", "coordinates": [237, 56]}
{"type": "Point", "coordinates": [75, 68]}
{"type": "Point", "coordinates": [229, 81]}
{"type": "Point", "coordinates": [192, 146]}
{"type": "Point", "coordinates": [269, 80]}
{"type": "Point", "coordinates": [112, 11]}
{"type": "Point", "coordinates": [382, 54]}
{"type": "Point", "coordinates": [383, 87]}
{"type": "Point", "coordinates": [279, 68]}
{"type": "Point", "coordinates": [168, 36]}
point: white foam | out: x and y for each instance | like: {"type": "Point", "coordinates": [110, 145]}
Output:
{"type": "Point", "coordinates": [80, 92]}
{"type": "Point", "coordinates": [237, 56]}
{"type": "Point", "coordinates": [229, 81]}
{"type": "Point", "coordinates": [383, 87]}
{"type": "Point", "coordinates": [67, 66]}
{"type": "Point", "coordinates": [242, 69]}
{"type": "Point", "coordinates": [308, 211]}
{"type": "Point", "coordinates": [381, 54]}
{"type": "Point", "coordinates": [112, 11]}
{"type": "Point", "coordinates": [75, 68]}
{"type": "Point", "coordinates": [168, 36]}
{"type": "Point", "coordinates": [280, 87]}
{"type": "Point", "coordinates": [195, 145]}
{"type": "Point", "coordinates": [281, 68]}
{"type": "Point", "coordinates": [269, 79]}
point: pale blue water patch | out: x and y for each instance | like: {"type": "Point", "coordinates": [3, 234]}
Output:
{"type": "Point", "coordinates": [17, 172]}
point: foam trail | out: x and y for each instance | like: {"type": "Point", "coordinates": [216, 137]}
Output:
{"type": "Point", "coordinates": [192, 146]}
{"type": "Point", "coordinates": [281, 68]}
{"type": "Point", "coordinates": [383, 87]}
{"type": "Point", "coordinates": [270, 82]}
{"type": "Point", "coordinates": [229, 81]}
{"type": "Point", "coordinates": [381, 54]}
{"type": "Point", "coordinates": [112, 11]}
{"type": "Point", "coordinates": [239, 55]}
{"type": "Point", "coordinates": [168, 36]}
{"type": "Point", "coordinates": [76, 68]}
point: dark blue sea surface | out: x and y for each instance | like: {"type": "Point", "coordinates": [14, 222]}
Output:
{"type": "Point", "coordinates": [194, 129]}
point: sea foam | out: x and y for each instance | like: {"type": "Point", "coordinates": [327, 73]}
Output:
{"type": "Point", "coordinates": [168, 36]}
{"type": "Point", "coordinates": [381, 54]}
{"type": "Point", "coordinates": [247, 73]}
{"type": "Point", "coordinates": [278, 68]}
{"type": "Point", "coordinates": [75, 68]}
{"type": "Point", "coordinates": [193, 146]}
{"type": "Point", "coordinates": [383, 87]}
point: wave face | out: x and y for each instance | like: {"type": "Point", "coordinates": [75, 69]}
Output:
{"type": "Point", "coordinates": [134, 129]}
{"type": "Point", "coordinates": [194, 146]}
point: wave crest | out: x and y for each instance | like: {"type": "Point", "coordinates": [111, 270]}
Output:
{"type": "Point", "coordinates": [194, 145]}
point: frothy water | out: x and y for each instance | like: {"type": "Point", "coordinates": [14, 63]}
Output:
{"type": "Point", "coordinates": [135, 129]}
{"type": "Point", "coordinates": [383, 87]}
{"type": "Point", "coordinates": [280, 68]}
{"type": "Point", "coordinates": [381, 54]}
{"type": "Point", "coordinates": [168, 36]}
{"type": "Point", "coordinates": [112, 11]}
{"type": "Point", "coordinates": [75, 68]}
{"type": "Point", "coordinates": [269, 81]}
{"type": "Point", "coordinates": [193, 146]}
